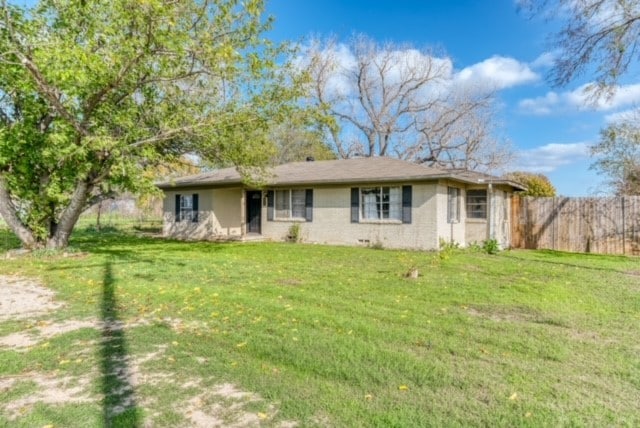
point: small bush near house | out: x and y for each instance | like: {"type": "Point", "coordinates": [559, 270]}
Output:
{"type": "Point", "coordinates": [294, 233]}
{"type": "Point", "coordinates": [491, 246]}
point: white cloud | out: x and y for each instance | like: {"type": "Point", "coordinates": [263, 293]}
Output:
{"type": "Point", "coordinates": [547, 158]}
{"type": "Point", "coordinates": [621, 116]}
{"type": "Point", "coordinates": [544, 60]}
{"type": "Point", "coordinates": [540, 105]}
{"type": "Point", "coordinates": [498, 72]}
{"type": "Point", "coordinates": [580, 100]}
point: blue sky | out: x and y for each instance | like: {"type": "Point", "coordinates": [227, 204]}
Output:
{"type": "Point", "coordinates": [550, 128]}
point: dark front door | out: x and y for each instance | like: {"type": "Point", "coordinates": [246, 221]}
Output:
{"type": "Point", "coordinates": [254, 209]}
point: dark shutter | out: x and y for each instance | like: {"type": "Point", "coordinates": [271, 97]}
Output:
{"type": "Point", "coordinates": [194, 218]}
{"type": "Point", "coordinates": [177, 208]}
{"type": "Point", "coordinates": [355, 204]}
{"type": "Point", "coordinates": [308, 205]}
{"type": "Point", "coordinates": [270, 205]}
{"type": "Point", "coordinates": [406, 204]}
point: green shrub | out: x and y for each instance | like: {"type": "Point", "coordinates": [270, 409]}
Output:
{"type": "Point", "coordinates": [491, 246]}
{"type": "Point", "coordinates": [294, 233]}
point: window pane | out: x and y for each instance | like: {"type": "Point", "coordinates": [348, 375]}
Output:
{"type": "Point", "coordinates": [186, 207]}
{"type": "Point", "coordinates": [369, 204]}
{"type": "Point", "coordinates": [383, 203]}
{"type": "Point", "coordinates": [395, 203]}
{"type": "Point", "coordinates": [282, 204]}
{"type": "Point", "coordinates": [298, 198]}
{"type": "Point", "coordinates": [453, 205]}
{"type": "Point", "coordinates": [477, 204]}
{"type": "Point", "coordinates": [186, 201]}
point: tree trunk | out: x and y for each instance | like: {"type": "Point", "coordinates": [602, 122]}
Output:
{"type": "Point", "coordinates": [10, 216]}
{"type": "Point", "coordinates": [98, 226]}
{"type": "Point", "coordinates": [69, 218]}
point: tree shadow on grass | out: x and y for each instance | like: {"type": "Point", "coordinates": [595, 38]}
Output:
{"type": "Point", "coordinates": [555, 257]}
{"type": "Point", "coordinates": [126, 245]}
{"type": "Point", "coordinates": [119, 402]}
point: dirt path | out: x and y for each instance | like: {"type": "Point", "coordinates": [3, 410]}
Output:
{"type": "Point", "coordinates": [22, 298]}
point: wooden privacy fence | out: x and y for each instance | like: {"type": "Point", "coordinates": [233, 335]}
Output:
{"type": "Point", "coordinates": [609, 225]}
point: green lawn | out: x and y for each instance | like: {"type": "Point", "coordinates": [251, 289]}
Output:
{"type": "Point", "coordinates": [282, 334]}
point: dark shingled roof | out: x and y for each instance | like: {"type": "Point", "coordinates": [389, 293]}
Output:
{"type": "Point", "coordinates": [348, 171]}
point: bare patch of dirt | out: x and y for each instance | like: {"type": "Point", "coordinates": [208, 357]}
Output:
{"type": "Point", "coordinates": [22, 298]}
{"type": "Point", "coordinates": [44, 330]}
{"type": "Point", "coordinates": [293, 282]}
{"type": "Point", "coordinates": [50, 390]}
{"type": "Point", "coordinates": [515, 314]}
{"type": "Point", "coordinates": [503, 314]}
{"type": "Point", "coordinates": [139, 377]}
{"type": "Point", "coordinates": [223, 405]}
{"type": "Point", "coordinates": [589, 337]}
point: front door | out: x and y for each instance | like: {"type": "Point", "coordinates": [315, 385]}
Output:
{"type": "Point", "coordinates": [254, 210]}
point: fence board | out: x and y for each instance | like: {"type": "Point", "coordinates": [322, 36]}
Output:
{"type": "Point", "coordinates": [608, 225]}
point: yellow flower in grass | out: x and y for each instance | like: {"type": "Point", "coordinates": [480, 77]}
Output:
{"type": "Point", "coordinates": [403, 388]}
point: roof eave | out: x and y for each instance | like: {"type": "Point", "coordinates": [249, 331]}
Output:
{"type": "Point", "coordinates": [397, 179]}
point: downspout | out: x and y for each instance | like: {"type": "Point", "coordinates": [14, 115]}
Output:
{"type": "Point", "coordinates": [490, 207]}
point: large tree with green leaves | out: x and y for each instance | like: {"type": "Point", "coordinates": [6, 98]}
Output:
{"type": "Point", "coordinates": [617, 154]}
{"type": "Point", "coordinates": [94, 93]}
{"type": "Point", "coordinates": [537, 185]}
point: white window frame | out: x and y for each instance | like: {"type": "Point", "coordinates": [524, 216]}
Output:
{"type": "Point", "coordinates": [476, 205]}
{"type": "Point", "coordinates": [294, 207]}
{"type": "Point", "coordinates": [453, 204]}
{"type": "Point", "coordinates": [186, 207]}
{"type": "Point", "coordinates": [381, 209]}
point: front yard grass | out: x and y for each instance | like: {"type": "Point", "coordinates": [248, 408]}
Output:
{"type": "Point", "coordinates": [283, 334]}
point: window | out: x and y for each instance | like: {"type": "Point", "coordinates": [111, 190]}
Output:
{"type": "Point", "coordinates": [453, 205]}
{"type": "Point", "coordinates": [187, 207]}
{"type": "Point", "coordinates": [291, 203]}
{"type": "Point", "coordinates": [381, 203]}
{"type": "Point", "coordinates": [477, 203]}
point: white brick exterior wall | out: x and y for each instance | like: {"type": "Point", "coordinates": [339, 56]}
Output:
{"type": "Point", "coordinates": [222, 214]}
{"type": "Point", "coordinates": [332, 221]}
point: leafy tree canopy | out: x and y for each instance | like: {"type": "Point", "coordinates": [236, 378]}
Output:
{"type": "Point", "coordinates": [536, 184]}
{"type": "Point", "coordinates": [93, 94]}
{"type": "Point", "coordinates": [617, 155]}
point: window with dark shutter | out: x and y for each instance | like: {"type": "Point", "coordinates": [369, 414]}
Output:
{"type": "Point", "coordinates": [187, 208]}
{"type": "Point", "coordinates": [194, 207]}
{"type": "Point", "coordinates": [407, 194]}
{"type": "Point", "coordinates": [308, 205]}
{"type": "Point", "coordinates": [355, 205]}
{"type": "Point", "coordinates": [177, 208]}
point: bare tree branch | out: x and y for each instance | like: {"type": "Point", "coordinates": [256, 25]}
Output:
{"type": "Point", "coordinates": [599, 37]}
{"type": "Point", "coordinates": [396, 100]}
